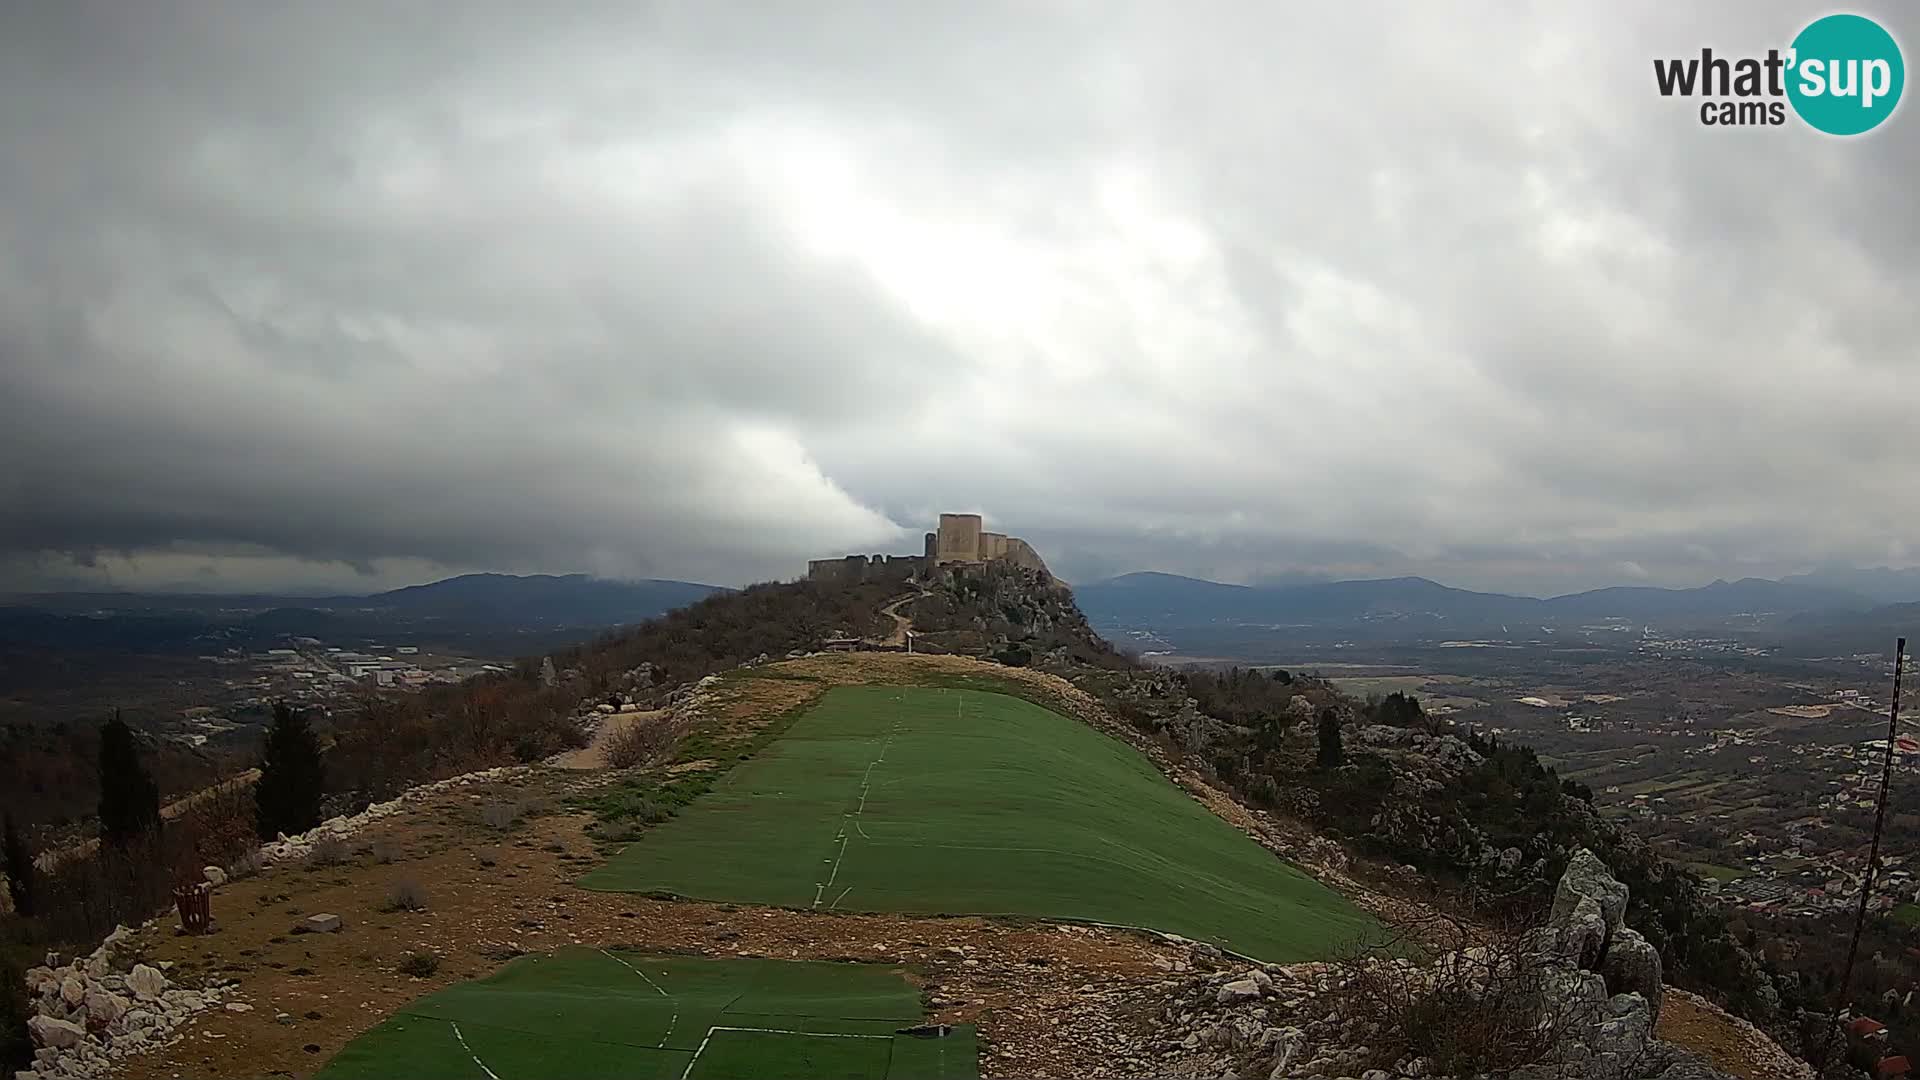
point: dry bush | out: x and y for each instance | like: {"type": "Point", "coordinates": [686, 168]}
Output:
{"type": "Point", "coordinates": [246, 864]}
{"type": "Point", "coordinates": [1482, 1006]}
{"type": "Point", "coordinates": [643, 742]}
{"type": "Point", "coordinates": [499, 815]}
{"type": "Point", "coordinates": [82, 898]}
{"type": "Point", "coordinates": [419, 964]}
{"type": "Point", "coordinates": [221, 823]}
{"type": "Point", "coordinates": [406, 894]}
{"type": "Point", "coordinates": [327, 851]}
{"type": "Point", "coordinates": [385, 851]}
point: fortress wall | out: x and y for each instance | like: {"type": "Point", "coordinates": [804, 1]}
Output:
{"type": "Point", "coordinates": [958, 540]}
{"type": "Point", "coordinates": [854, 568]}
{"type": "Point", "coordinates": [1020, 553]}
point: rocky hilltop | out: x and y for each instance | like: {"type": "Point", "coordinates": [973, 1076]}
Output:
{"type": "Point", "coordinates": [1576, 998]}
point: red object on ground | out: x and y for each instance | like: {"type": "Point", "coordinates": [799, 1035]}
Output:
{"type": "Point", "coordinates": [1891, 1068]}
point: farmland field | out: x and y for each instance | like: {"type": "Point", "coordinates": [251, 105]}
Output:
{"type": "Point", "coordinates": [592, 1013]}
{"type": "Point", "coordinates": [934, 801]}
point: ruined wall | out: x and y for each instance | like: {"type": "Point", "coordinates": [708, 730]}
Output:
{"type": "Point", "coordinates": [850, 568]}
{"type": "Point", "coordinates": [993, 545]}
{"type": "Point", "coordinates": [1020, 553]}
{"type": "Point", "coordinates": [959, 538]}
{"type": "Point", "coordinates": [856, 568]}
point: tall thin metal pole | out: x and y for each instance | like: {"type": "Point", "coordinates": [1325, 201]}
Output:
{"type": "Point", "coordinates": [1873, 850]}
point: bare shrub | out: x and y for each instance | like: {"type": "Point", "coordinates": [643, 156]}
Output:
{"type": "Point", "coordinates": [643, 742]}
{"type": "Point", "coordinates": [499, 815]}
{"type": "Point", "coordinates": [221, 823]}
{"type": "Point", "coordinates": [419, 964]}
{"type": "Point", "coordinates": [328, 850]}
{"type": "Point", "coordinates": [406, 894]}
{"type": "Point", "coordinates": [385, 851]}
{"type": "Point", "coordinates": [246, 864]}
{"type": "Point", "coordinates": [1482, 1006]}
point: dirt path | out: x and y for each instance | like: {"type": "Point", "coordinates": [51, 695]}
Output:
{"type": "Point", "coordinates": [594, 754]}
{"type": "Point", "coordinates": [902, 625]}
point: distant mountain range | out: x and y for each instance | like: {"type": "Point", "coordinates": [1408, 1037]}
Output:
{"type": "Point", "coordinates": [1879, 584]}
{"type": "Point", "coordinates": [489, 604]}
{"type": "Point", "coordinates": [1166, 600]}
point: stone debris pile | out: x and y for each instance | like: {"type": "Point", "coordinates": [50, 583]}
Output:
{"type": "Point", "coordinates": [93, 1011]}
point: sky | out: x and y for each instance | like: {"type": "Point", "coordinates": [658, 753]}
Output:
{"type": "Point", "coordinates": [354, 295]}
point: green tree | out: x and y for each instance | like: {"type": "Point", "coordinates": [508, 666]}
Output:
{"type": "Point", "coordinates": [129, 799]}
{"type": "Point", "coordinates": [19, 863]}
{"type": "Point", "coordinates": [1332, 754]}
{"type": "Point", "coordinates": [292, 778]}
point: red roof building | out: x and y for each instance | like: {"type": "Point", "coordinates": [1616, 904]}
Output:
{"type": "Point", "coordinates": [1866, 1027]}
{"type": "Point", "coordinates": [1891, 1068]}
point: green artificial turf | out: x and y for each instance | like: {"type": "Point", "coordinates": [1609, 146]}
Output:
{"type": "Point", "coordinates": [964, 802]}
{"type": "Point", "coordinates": [587, 1013]}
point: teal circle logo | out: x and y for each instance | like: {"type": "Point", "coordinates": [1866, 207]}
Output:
{"type": "Point", "coordinates": [1846, 74]}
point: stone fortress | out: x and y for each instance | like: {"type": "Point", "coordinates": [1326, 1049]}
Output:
{"type": "Point", "coordinates": [958, 540]}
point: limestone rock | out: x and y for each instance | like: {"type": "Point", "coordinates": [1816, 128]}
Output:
{"type": "Point", "coordinates": [324, 923]}
{"type": "Point", "coordinates": [104, 1007]}
{"type": "Point", "coordinates": [1583, 935]}
{"type": "Point", "coordinates": [1632, 966]}
{"type": "Point", "coordinates": [73, 991]}
{"type": "Point", "coordinates": [1238, 990]}
{"type": "Point", "coordinates": [1586, 876]}
{"type": "Point", "coordinates": [58, 1034]}
{"type": "Point", "coordinates": [215, 876]}
{"type": "Point", "coordinates": [146, 982]}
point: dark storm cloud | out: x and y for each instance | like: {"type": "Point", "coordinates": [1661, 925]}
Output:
{"type": "Point", "coordinates": [381, 291]}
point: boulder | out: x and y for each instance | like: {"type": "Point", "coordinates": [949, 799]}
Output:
{"type": "Point", "coordinates": [1632, 966]}
{"type": "Point", "coordinates": [146, 982]}
{"type": "Point", "coordinates": [57, 1034]}
{"type": "Point", "coordinates": [324, 923]}
{"type": "Point", "coordinates": [215, 876]}
{"type": "Point", "coordinates": [1238, 990]}
{"type": "Point", "coordinates": [104, 1007]}
{"type": "Point", "coordinates": [73, 990]}
{"type": "Point", "coordinates": [1582, 938]}
{"type": "Point", "coordinates": [1587, 877]}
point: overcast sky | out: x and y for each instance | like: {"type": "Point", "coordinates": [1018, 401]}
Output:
{"type": "Point", "coordinates": [349, 296]}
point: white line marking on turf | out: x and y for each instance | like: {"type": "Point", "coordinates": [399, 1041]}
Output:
{"type": "Point", "coordinates": [656, 986]}
{"type": "Point", "coordinates": [842, 896]}
{"type": "Point", "coordinates": [688, 1071]}
{"type": "Point", "coordinates": [866, 784]}
{"type": "Point", "coordinates": [476, 1057]}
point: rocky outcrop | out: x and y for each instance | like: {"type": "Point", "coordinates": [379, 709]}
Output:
{"type": "Point", "coordinates": [1585, 977]}
{"type": "Point", "coordinates": [93, 1011]}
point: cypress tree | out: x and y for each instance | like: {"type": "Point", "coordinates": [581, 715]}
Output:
{"type": "Point", "coordinates": [129, 799]}
{"type": "Point", "coordinates": [292, 778]}
{"type": "Point", "coordinates": [1331, 752]}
